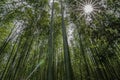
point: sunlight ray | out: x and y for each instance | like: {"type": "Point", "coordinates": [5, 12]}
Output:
{"type": "Point", "coordinates": [86, 2]}
{"type": "Point", "coordinates": [81, 4]}
{"type": "Point", "coordinates": [90, 1]}
{"type": "Point", "coordinates": [94, 2]}
{"type": "Point", "coordinates": [93, 16]}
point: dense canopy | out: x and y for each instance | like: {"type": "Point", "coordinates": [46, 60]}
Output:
{"type": "Point", "coordinates": [59, 40]}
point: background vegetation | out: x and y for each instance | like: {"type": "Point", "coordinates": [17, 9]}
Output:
{"type": "Point", "coordinates": [48, 40]}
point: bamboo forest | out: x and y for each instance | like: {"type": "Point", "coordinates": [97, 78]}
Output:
{"type": "Point", "coordinates": [59, 39]}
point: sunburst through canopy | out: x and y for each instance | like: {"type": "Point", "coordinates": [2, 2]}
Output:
{"type": "Point", "coordinates": [86, 8]}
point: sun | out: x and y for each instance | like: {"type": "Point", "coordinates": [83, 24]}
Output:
{"type": "Point", "coordinates": [85, 8]}
{"type": "Point", "coordinates": [88, 9]}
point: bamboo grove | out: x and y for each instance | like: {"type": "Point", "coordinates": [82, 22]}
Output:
{"type": "Point", "coordinates": [51, 40]}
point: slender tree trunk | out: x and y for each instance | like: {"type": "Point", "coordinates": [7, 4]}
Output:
{"type": "Point", "coordinates": [67, 60]}
{"type": "Point", "coordinates": [50, 47]}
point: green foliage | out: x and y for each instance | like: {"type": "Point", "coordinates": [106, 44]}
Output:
{"type": "Point", "coordinates": [36, 42]}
